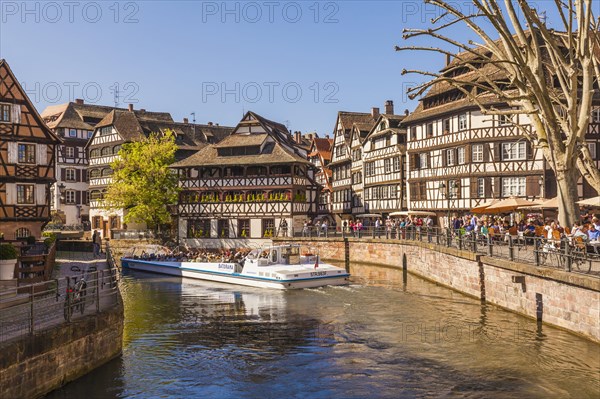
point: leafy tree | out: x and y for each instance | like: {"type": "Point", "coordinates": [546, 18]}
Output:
{"type": "Point", "coordinates": [549, 76]}
{"type": "Point", "coordinates": [142, 182]}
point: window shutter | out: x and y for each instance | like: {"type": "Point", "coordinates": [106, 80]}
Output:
{"type": "Point", "coordinates": [532, 186]}
{"type": "Point", "coordinates": [444, 157]}
{"type": "Point", "coordinates": [13, 149]}
{"type": "Point", "coordinates": [473, 184]}
{"type": "Point", "coordinates": [428, 160]}
{"type": "Point", "coordinates": [11, 193]}
{"type": "Point", "coordinates": [487, 187]}
{"type": "Point", "coordinates": [497, 187]}
{"type": "Point", "coordinates": [78, 197]}
{"type": "Point", "coordinates": [411, 162]}
{"type": "Point", "coordinates": [62, 174]}
{"type": "Point", "coordinates": [458, 189]}
{"type": "Point", "coordinates": [76, 152]}
{"type": "Point", "coordinates": [86, 199]}
{"type": "Point", "coordinates": [84, 175]}
{"type": "Point", "coordinates": [529, 150]}
{"type": "Point", "coordinates": [78, 175]}
{"type": "Point", "coordinates": [42, 154]}
{"type": "Point", "coordinates": [418, 161]}
{"type": "Point", "coordinates": [468, 153]}
{"type": "Point", "coordinates": [497, 152]}
{"type": "Point", "coordinates": [16, 113]}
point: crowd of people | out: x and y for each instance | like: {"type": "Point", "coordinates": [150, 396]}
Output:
{"type": "Point", "coordinates": [195, 255]}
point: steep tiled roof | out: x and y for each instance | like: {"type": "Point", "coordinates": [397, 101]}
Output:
{"type": "Point", "coordinates": [281, 149]}
{"type": "Point", "coordinates": [85, 116]}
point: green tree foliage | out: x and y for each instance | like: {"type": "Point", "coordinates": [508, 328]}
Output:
{"type": "Point", "coordinates": [142, 182]}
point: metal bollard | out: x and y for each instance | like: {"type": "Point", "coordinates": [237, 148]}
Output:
{"type": "Point", "coordinates": [536, 251]}
{"type": "Point", "coordinates": [511, 249]}
{"type": "Point", "coordinates": [490, 246]}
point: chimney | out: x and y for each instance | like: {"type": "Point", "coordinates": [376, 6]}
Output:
{"type": "Point", "coordinates": [143, 110]}
{"type": "Point", "coordinates": [389, 107]}
{"type": "Point", "coordinates": [375, 112]}
{"type": "Point", "coordinates": [79, 101]}
{"type": "Point", "coordinates": [210, 123]}
{"type": "Point", "coordinates": [327, 136]}
{"type": "Point", "coordinates": [185, 120]}
{"type": "Point", "coordinates": [298, 136]}
{"type": "Point", "coordinates": [130, 107]}
{"type": "Point", "coordinates": [406, 112]}
{"type": "Point", "coordinates": [216, 124]}
{"type": "Point", "coordinates": [448, 59]}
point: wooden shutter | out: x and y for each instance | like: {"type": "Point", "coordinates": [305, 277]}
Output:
{"type": "Point", "coordinates": [16, 113]}
{"type": "Point", "coordinates": [78, 197]}
{"type": "Point", "coordinates": [487, 187]}
{"type": "Point", "coordinates": [428, 160]}
{"type": "Point", "coordinates": [528, 150]}
{"type": "Point", "coordinates": [62, 174]}
{"type": "Point", "coordinates": [468, 153]}
{"type": "Point", "coordinates": [444, 158]}
{"type": "Point", "coordinates": [497, 187]}
{"type": "Point", "coordinates": [78, 175]}
{"type": "Point", "coordinates": [458, 188]}
{"type": "Point", "coordinates": [86, 200]}
{"type": "Point", "coordinates": [496, 151]}
{"type": "Point", "coordinates": [532, 186]}
{"type": "Point", "coordinates": [473, 184]}
{"type": "Point", "coordinates": [13, 152]}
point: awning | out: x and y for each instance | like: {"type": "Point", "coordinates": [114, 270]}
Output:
{"type": "Point", "coordinates": [369, 215]}
{"type": "Point", "coordinates": [482, 207]}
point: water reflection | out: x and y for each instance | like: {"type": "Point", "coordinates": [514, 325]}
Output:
{"type": "Point", "coordinates": [386, 335]}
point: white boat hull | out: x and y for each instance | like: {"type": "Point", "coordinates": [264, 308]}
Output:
{"type": "Point", "coordinates": [192, 270]}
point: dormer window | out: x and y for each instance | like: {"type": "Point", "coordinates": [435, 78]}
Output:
{"type": "Point", "coordinates": [382, 126]}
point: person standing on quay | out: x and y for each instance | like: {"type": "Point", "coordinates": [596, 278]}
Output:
{"type": "Point", "coordinates": [95, 244]}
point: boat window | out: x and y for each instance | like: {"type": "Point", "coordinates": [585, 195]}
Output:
{"type": "Point", "coordinates": [273, 256]}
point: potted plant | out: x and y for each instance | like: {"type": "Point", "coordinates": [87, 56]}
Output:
{"type": "Point", "coordinates": [8, 261]}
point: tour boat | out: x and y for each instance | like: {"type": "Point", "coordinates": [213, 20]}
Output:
{"type": "Point", "coordinates": [281, 267]}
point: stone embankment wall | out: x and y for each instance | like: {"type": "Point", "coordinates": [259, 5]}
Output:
{"type": "Point", "coordinates": [35, 365]}
{"type": "Point", "coordinates": [567, 300]}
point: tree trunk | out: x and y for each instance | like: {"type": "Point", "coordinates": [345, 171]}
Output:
{"type": "Point", "coordinates": [568, 210]}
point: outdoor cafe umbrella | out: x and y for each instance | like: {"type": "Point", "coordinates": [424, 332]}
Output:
{"type": "Point", "coordinates": [482, 207]}
{"type": "Point", "coordinates": [509, 204]}
{"type": "Point", "coordinates": [552, 203]}
{"type": "Point", "coordinates": [595, 202]}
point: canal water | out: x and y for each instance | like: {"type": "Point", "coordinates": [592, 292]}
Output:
{"type": "Point", "coordinates": [383, 336]}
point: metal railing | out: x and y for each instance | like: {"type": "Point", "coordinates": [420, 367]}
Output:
{"type": "Point", "coordinates": [568, 254]}
{"type": "Point", "coordinates": [40, 306]}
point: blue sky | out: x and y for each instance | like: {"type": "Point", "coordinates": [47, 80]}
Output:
{"type": "Point", "coordinates": [294, 62]}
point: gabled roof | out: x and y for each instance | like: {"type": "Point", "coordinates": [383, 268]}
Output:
{"type": "Point", "coordinates": [349, 119]}
{"type": "Point", "coordinates": [76, 115]}
{"type": "Point", "coordinates": [321, 147]}
{"type": "Point", "coordinates": [394, 125]}
{"type": "Point", "coordinates": [280, 149]}
{"type": "Point", "coordinates": [137, 125]}
{"type": "Point", "coordinates": [23, 94]}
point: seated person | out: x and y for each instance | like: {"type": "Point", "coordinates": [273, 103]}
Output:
{"type": "Point", "coordinates": [593, 233]}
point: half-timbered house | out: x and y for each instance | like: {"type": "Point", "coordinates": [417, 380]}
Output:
{"type": "Point", "coordinates": [122, 126]}
{"type": "Point", "coordinates": [74, 123]}
{"type": "Point", "coordinates": [27, 161]}
{"type": "Point", "coordinates": [255, 184]}
{"type": "Point", "coordinates": [342, 159]}
{"type": "Point", "coordinates": [384, 158]}
{"type": "Point", "coordinates": [460, 158]}
{"type": "Point", "coordinates": [319, 154]}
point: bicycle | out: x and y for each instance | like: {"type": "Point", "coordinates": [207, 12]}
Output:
{"type": "Point", "coordinates": [75, 298]}
{"type": "Point", "coordinates": [579, 255]}
{"type": "Point", "coordinates": [548, 252]}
